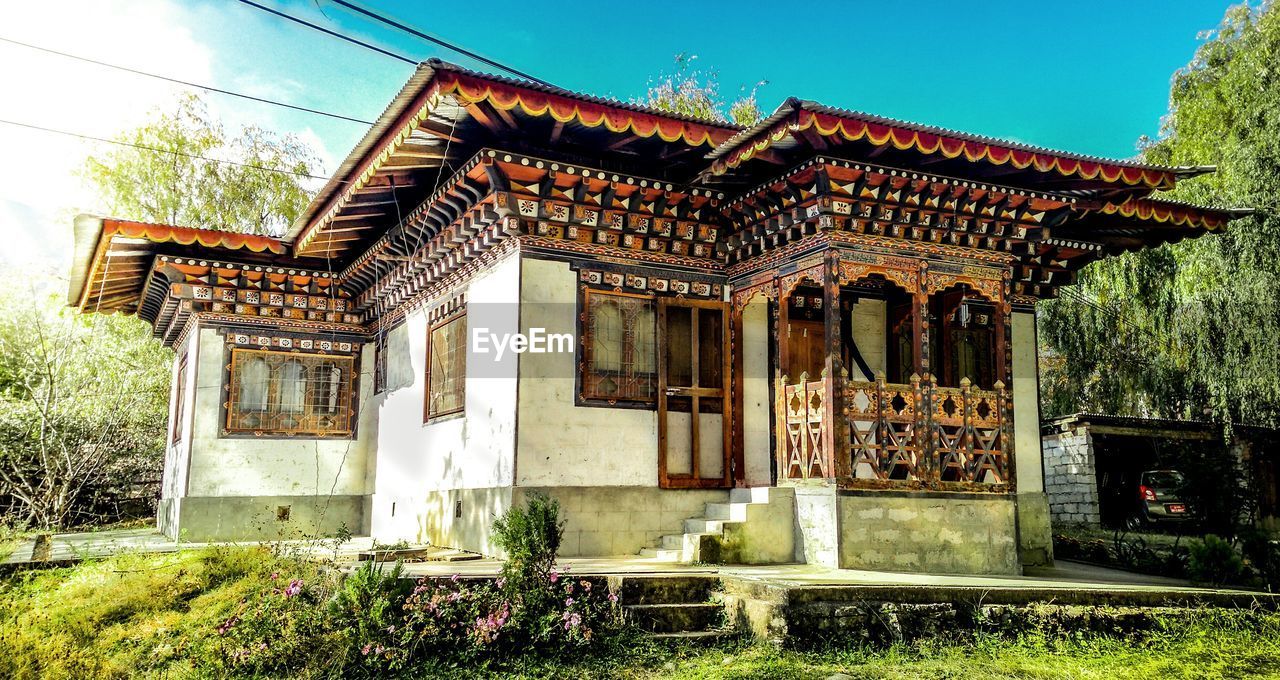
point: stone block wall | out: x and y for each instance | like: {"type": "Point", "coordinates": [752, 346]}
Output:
{"type": "Point", "coordinates": [1071, 477]}
{"type": "Point", "coordinates": [927, 532]}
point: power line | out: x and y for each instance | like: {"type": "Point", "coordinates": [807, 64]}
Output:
{"type": "Point", "coordinates": [144, 147]}
{"type": "Point", "coordinates": [335, 34]}
{"type": "Point", "coordinates": [437, 41]}
{"type": "Point", "coordinates": [187, 83]}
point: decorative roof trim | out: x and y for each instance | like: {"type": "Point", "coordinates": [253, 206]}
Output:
{"type": "Point", "coordinates": [435, 80]}
{"type": "Point", "coordinates": [796, 116]}
{"type": "Point", "coordinates": [1174, 213]}
{"type": "Point", "coordinates": [210, 238]}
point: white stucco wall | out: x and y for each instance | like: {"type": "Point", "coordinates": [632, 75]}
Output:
{"type": "Point", "coordinates": [473, 450]}
{"type": "Point", "coordinates": [756, 374]}
{"type": "Point", "coordinates": [1026, 405]}
{"type": "Point", "coordinates": [173, 480]}
{"type": "Point", "coordinates": [869, 334]}
{"type": "Point", "coordinates": [560, 444]}
{"type": "Point", "coordinates": [247, 466]}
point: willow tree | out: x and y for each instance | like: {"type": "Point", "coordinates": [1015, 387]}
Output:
{"type": "Point", "coordinates": [1191, 329]}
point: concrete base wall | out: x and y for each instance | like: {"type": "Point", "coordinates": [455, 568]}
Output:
{"type": "Point", "coordinates": [599, 520]}
{"type": "Point", "coordinates": [1035, 532]}
{"type": "Point", "coordinates": [167, 516]}
{"type": "Point", "coordinates": [768, 536]}
{"type": "Point", "coordinates": [1071, 477]}
{"type": "Point", "coordinates": [253, 518]}
{"type": "Point", "coordinates": [945, 534]}
{"type": "Point", "coordinates": [817, 526]}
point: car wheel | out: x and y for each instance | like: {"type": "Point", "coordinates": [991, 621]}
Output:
{"type": "Point", "coordinates": [1135, 522]}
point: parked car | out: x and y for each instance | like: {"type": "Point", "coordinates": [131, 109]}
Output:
{"type": "Point", "coordinates": [1156, 501]}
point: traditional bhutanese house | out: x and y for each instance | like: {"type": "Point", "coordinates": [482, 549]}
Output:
{"type": "Point", "coordinates": [812, 340]}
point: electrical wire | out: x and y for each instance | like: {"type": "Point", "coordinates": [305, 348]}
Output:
{"type": "Point", "coordinates": [171, 152]}
{"type": "Point", "coordinates": [437, 41]}
{"type": "Point", "coordinates": [330, 32]}
{"type": "Point", "coordinates": [210, 88]}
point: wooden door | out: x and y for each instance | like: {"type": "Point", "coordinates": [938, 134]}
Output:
{"type": "Point", "coordinates": [693, 394]}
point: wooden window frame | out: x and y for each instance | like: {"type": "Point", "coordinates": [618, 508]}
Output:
{"type": "Point", "coordinates": [584, 358]}
{"type": "Point", "coordinates": [179, 397]}
{"type": "Point", "coordinates": [427, 415]}
{"type": "Point", "coordinates": [345, 412]}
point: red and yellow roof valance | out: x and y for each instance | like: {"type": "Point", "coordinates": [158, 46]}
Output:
{"type": "Point", "coordinates": [210, 238]}
{"type": "Point", "coordinates": [533, 102]}
{"type": "Point", "coordinates": [1172, 214]}
{"type": "Point", "coordinates": [930, 143]}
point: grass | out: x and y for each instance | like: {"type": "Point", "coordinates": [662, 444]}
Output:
{"type": "Point", "coordinates": [156, 615]}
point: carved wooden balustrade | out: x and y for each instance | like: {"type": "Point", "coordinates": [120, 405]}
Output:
{"type": "Point", "coordinates": [802, 429]}
{"type": "Point", "coordinates": [923, 435]}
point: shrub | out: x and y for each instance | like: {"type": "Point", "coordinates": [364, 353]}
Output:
{"type": "Point", "coordinates": [531, 538]}
{"type": "Point", "coordinates": [369, 608]}
{"type": "Point", "coordinates": [1263, 555]}
{"type": "Point", "coordinates": [1214, 561]}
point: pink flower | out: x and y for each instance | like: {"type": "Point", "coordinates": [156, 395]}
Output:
{"type": "Point", "coordinates": [275, 575]}
{"type": "Point", "coordinates": [502, 582]}
{"type": "Point", "coordinates": [555, 576]}
{"type": "Point", "coordinates": [568, 602]}
{"type": "Point", "coordinates": [454, 578]}
{"type": "Point", "coordinates": [365, 649]}
{"type": "Point", "coordinates": [295, 587]}
{"type": "Point", "coordinates": [613, 598]}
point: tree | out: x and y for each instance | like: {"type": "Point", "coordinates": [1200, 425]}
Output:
{"type": "Point", "coordinates": [690, 92]}
{"type": "Point", "coordinates": [82, 405]}
{"type": "Point", "coordinates": [84, 398]}
{"type": "Point", "coordinates": [1192, 329]}
{"type": "Point", "coordinates": [180, 188]}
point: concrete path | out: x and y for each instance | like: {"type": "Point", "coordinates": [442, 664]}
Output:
{"type": "Point", "coordinates": [71, 547]}
{"type": "Point", "coordinates": [1065, 576]}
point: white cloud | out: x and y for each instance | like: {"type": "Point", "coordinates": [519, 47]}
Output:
{"type": "Point", "coordinates": [39, 183]}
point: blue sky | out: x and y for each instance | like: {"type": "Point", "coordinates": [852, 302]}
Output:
{"type": "Point", "coordinates": [1089, 76]}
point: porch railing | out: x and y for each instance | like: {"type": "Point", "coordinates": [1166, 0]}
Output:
{"type": "Point", "coordinates": [802, 429]}
{"type": "Point", "coordinates": [915, 434]}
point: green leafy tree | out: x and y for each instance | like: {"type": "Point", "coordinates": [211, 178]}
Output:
{"type": "Point", "coordinates": [84, 398]}
{"type": "Point", "coordinates": [1192, 329]}
{"type": "Point", "coordinates": [180, 188]}
{"type": "Point", "coordinates": [82, 406]}
{"type": "Point", "coordinates": [691, 92]}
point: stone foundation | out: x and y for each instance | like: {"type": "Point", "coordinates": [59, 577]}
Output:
{"type": "Point", "coordinates": [1070, 477]}
{"type": "Point", "coordinates": [261, 518]}
{"type": "Point", "coordinates": [599, 521]}
{"type": "Point", "coordinates": [941, 533]}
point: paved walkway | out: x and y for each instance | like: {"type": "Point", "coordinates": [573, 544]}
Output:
{"type": "Point", "coordinates": [1064, 576]}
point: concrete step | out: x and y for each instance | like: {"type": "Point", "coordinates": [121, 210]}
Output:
{"type": "Point", "coordinates": [707, 637]}
{"type": "Point", "coordinates": [662, 554]}
{"type": "Point", "coordinates": [755, 494]}
{"type": "Point", "coordinates": [643, 589]}
{"type": "Point", "coordinates": [679, 541]}
{"type": "Point", "coordinates": [704, 526]}
{"type": "Point", "coordinates": [675, 618]}
{"type": "Point", "coordinates": [733, 512]}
